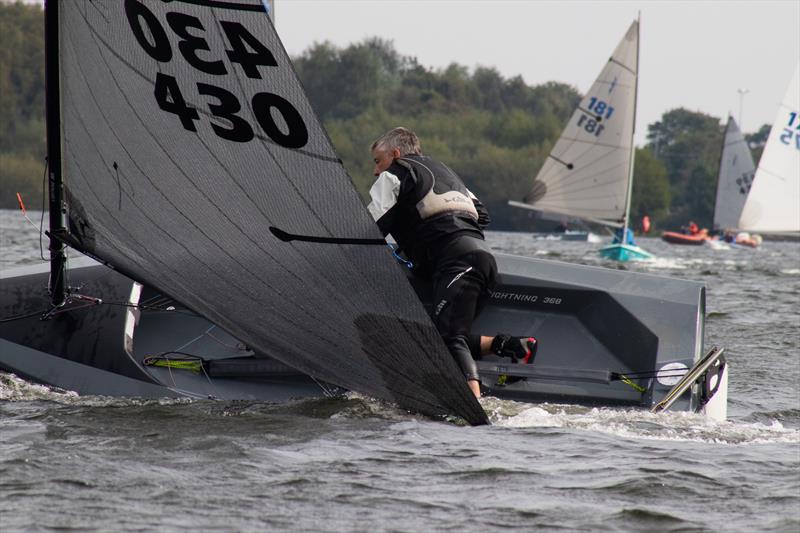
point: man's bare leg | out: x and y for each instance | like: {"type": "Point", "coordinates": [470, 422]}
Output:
{"type": "Point", "coordinates": [475, 387]}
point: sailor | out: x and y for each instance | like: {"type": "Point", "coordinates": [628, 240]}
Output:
{"type": "Point", "coordinates": [438, 224]}
{"type": "Point", "coordinates": [628, 239]}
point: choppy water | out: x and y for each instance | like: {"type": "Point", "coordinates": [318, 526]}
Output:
{"type": "Point", "coordinates": [353, 464]}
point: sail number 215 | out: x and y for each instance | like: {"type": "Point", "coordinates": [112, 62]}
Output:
{"type": "Point", "coordinates": [245, 50]}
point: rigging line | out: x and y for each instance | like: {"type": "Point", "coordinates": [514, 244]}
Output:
{"type": "Point", "coordinates": [651, 374]}
{"type": "Point", "coordinates": [623, 65]}
{"type": "Point", "coordinates": [103, 302]}
{"type": "Point", "coordinates": [169, 367]}
{"type": "Point", "coordinates": [325, 391]}
{"type": "Point", "coordinates": [242, 347]}
{"type": "Point", "coordinates": [22, 317]}
{"type": "Point", "coordinates": [193, 340]}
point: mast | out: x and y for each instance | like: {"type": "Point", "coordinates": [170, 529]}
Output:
{"type": "Point", "coordinates": [58, 258]}
{"type": "Point", "coordinates": [633, 131]}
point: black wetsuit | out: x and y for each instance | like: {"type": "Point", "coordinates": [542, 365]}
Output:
{"type": "Point", "coordinates": [438, 224]}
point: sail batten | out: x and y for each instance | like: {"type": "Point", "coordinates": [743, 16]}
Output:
{"type": "Point", "coordinates": [178, 158]}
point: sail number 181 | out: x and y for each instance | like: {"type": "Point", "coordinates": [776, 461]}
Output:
{"type": "Point", "coordinates": [792, 131]}
{"type": "Point", "coordinates": [602, 111]}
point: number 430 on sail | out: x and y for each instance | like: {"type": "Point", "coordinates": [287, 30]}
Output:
{"type": "Point", "coordinates": [245, 50]}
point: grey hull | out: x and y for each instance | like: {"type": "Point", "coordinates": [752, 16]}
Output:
{"type": "Point", "coordinates": [591, 323]}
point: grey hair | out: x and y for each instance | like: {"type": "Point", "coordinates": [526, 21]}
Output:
{"type": "Point", "coordinates": [401, 138]}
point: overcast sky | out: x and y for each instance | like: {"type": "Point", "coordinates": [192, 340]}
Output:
{"type": "Point", "coordinates": [693, 54]}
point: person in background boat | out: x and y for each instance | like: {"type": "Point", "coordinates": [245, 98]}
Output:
{"type": "Point", "coordinates": [628, 237]}
{"type": "Point", "coordinates": [729, 236]}
{"type": "Point", "coordinates": [562, 227]}
{"type": "Point", "coordinates": [745, 239]}
{"type": "Point", "coordinates": [438, 224]}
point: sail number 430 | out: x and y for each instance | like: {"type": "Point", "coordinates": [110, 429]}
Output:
{"type": "Point", "coordinates": [792, 131]}
{"type": "Point", "coordinates": [245, 50]}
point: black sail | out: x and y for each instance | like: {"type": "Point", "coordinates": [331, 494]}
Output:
{"type": "Point", "coordinates": [185, 137]}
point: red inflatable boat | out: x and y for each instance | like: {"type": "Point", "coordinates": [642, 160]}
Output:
{"type": "Point", "coordinates": [674, 237]}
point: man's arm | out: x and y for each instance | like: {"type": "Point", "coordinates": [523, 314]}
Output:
{"type": "Point", "coordinates": [383, 194]}
{"type": "Point", "coordinates": [483, 214]}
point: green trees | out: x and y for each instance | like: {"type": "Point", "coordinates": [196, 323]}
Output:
{"type": "Point", "coordinates": [651, 190]}
{"type": "Point", "coordinates": [688, 144]}
{"type": "Point", "coordinates": [495, 132]}
{"type": "Point", "coordinates": [22, 129]}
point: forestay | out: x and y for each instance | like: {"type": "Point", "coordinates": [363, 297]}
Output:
{"type": "Point", "coordinates": [586, 174]}
{"type": "Point", "coordinates": [185, 136]}
{"type": "Point", "coordinates": [773, 205]}
{"type": "Point", "coordinates": [735, 178]}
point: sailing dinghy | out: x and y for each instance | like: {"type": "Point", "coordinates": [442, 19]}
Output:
{"type": "Point", "coordinates": [589, 172]}
{"type": "Point", "coordinates": [226, 253]}
{"type": "Point", "coordinates": [734, 179]}
{"type": "Point", "coordinates": [773, 205]}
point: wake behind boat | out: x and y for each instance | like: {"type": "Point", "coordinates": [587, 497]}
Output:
{"type": "Point", "coordinates": [195, 181]}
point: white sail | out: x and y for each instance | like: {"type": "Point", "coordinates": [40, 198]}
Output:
{"type": "Point", "coordinates": [773, 205]}
{"type": "Point", "coordinates": [734, 179]}
{"type": "Point", "coordinates": [587, 173]}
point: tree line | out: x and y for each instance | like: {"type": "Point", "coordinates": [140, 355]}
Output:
{"type": "Point", "coordinates": [494, 131]}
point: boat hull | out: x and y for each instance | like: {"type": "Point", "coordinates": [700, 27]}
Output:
{"type": "Point", "coordinates": [673, 237]}
{"type": "Point", "coordinates": [573, 236]}
{"type": "Point", "coordinates": [624, 253]}
{"type": "Point", "coordinates": [590, 322]}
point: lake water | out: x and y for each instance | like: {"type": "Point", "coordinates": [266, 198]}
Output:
{"type": "Point", "coordinates": [353, 464]}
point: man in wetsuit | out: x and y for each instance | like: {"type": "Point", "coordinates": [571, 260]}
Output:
{"type": "Point", "coordinates": [438, 224]}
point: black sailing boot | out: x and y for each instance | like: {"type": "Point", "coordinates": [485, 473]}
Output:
{"type": "Point", "coordinates": [519, 349]}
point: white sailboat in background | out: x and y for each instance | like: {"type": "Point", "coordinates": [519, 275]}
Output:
{"type": "Point", "coordinates": [773, 205]}
{"type": "Point", "coordinates": [589, 173]}
{"type": "Point", "coordinates": [734, 179]}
